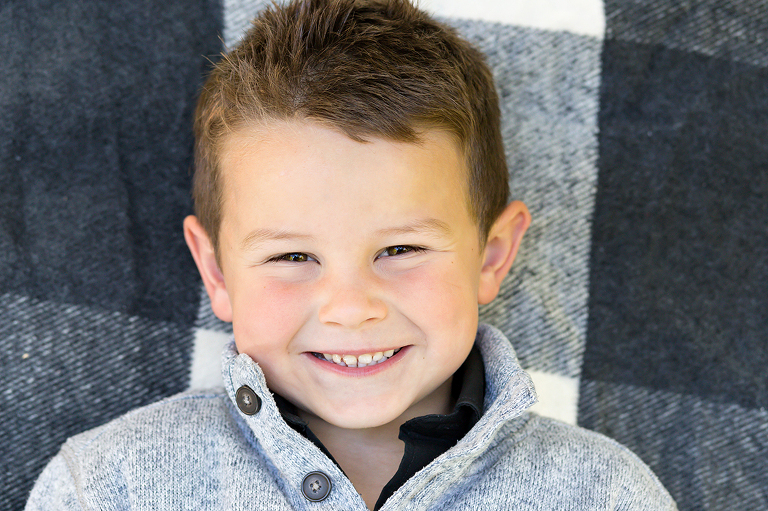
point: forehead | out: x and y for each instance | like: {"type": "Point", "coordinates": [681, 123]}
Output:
{"type": "Point", "coordinates": [267, 133]}
{"type": "Point", "coordinates": [274, 158]}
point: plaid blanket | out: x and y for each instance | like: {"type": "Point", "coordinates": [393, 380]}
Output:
{"type": "Point", "coordinates": [636, 132]}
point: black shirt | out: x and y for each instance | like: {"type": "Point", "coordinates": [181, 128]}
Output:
{"type": "Point", "coordinates": [425, 437]}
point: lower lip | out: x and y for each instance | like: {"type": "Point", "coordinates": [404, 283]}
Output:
{"type": "Point", "coordinates": [360, 371]}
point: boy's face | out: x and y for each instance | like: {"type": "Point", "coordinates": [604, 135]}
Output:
{"type": "Point", "coordinates": [331, 246]}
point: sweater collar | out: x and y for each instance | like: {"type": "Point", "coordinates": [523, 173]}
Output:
{"type": "Point", "coordinates": [509, 393]}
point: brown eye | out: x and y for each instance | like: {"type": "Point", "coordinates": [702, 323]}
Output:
{"type": "Point", "coordinates": [397, 250]}
{"type": "Point", "coordinates": [296, 257]}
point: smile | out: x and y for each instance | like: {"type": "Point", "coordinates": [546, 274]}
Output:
{"type": "Point", "coordinates": [364, 360]}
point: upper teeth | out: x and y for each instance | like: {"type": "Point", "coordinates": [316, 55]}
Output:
{"type": "Point", "coordinates": [366, 359]}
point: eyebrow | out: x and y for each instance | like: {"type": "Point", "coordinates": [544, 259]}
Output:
{"type": "Point", "coordinates": [428, 226]}
{"type": "Point", "coordinates": [258, 236]}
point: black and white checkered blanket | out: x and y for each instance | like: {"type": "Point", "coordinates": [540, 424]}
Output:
{"type": "Point", "coordinates": [636, 131]}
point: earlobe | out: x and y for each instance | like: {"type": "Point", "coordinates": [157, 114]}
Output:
{"type": "Point", "coordinates": [501, 249]}
{"type": "Point", "coordinates": [205, 259]}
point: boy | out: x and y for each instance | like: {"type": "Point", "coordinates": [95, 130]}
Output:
{"type": "Point", "coordinates": [351, 213]}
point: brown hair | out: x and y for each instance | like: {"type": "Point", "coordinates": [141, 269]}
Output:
{"type": "Point", "coordinates": [370, 68]}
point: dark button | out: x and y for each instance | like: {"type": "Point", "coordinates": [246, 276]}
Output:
{"type": "Point", "coordinates": [247, 400]}
{"type": "Point", "coordinates": [316, 486]}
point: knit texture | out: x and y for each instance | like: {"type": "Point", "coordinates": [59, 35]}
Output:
{"type": "Point", "coordinates": [197, 450]}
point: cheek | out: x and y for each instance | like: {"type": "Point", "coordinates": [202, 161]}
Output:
{"type": "Point", "coordinates": [440, 297]}
{"type": "Point", "coordinates": [266, 315]}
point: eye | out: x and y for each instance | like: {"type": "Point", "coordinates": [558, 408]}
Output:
{"type": "Point", "coordinates": [292, 257]}
{"type": "Point", "coordinates": [396, 250]}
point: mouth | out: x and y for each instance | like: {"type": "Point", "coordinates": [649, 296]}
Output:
{"type": "Point", "coordinates": [363, 360]}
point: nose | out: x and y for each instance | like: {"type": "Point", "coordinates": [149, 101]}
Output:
{"type": "Point", "coordinates": [352, 301]}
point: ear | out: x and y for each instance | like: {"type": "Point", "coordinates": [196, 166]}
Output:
{"type": "Point", "coordinates": [205, 258]}
{"type": "Point", "coordinates": [501, 248]}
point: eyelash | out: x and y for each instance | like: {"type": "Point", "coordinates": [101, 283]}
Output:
{"type": "Point", "coordinates": [407, 249]}
{"type": "Point", "coordinates": [287, 258]}
{"type": "Point", "coordinates": [399, 249]}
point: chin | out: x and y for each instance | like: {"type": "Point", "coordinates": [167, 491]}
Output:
{"type": "Point", "coordinates": [359, 419]}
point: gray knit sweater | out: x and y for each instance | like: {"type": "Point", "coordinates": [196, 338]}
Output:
{"type": "Point", "coordinates": [197, 450]}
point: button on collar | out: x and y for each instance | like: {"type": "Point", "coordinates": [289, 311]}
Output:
{"type": "Point", "coordinates": [247, 400]}
{"type": "Point", "coordinates": [316, 486]}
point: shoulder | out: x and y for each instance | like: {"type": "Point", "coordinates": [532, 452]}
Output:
{"type": "Point", "coordinates": [177, 416]}
{"type": "Point", "coordinates": [154, 453]}
{"type": "Point", "coordinates": [587, 470]}
{"type": "Point", "coordinates": [559, 440]}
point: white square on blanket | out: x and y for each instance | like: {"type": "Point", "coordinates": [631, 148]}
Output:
{"type": "Point", "coordinates": [584, 17]}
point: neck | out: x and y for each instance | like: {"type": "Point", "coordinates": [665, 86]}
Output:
{"type": "Point", "coordinates": [370, 457]}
